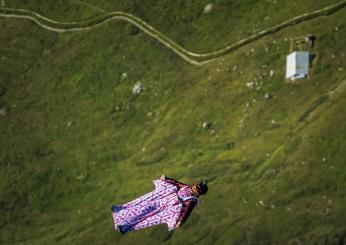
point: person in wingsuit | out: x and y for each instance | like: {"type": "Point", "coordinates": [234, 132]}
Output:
{"type": "Point", "coordinates": [171, 202]}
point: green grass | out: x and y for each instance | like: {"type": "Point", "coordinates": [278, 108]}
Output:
{"type": "Point", "coordinates": [76, 140]}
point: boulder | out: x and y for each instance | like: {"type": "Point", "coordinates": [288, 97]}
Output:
{"type": "Point", "coordinates": [138, 88]}
{"type": "Point", "coordinates": [208, 8]}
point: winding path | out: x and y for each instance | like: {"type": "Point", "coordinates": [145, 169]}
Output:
{"type": "Point", "coordinates": [191, 57]}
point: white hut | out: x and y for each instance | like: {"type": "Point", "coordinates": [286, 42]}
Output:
{"type": "Point", "coordinates": [297, 65]}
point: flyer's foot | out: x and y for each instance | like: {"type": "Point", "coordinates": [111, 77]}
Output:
{"type": "Point", "coordinates": [119, 228]}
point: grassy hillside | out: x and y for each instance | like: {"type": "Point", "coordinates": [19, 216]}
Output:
{"type": "Point", "coordinates": [74, 139]}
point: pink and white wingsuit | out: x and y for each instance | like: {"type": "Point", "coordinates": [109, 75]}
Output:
{"type": "Point", "coordinates": [163, 205]}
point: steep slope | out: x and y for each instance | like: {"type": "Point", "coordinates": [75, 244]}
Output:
{"type": "Point", "coordinates": [75, 139]}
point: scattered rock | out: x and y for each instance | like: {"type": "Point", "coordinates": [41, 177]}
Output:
{"type": "Point", "coordinates": [235, 68]}
{"type": "Point", "coordinates": [324, 159]}
{"type": "Point", "coordinates": [124, 75]}
{"type": "Point", "coordinates": [69, 123]}
{"type": "Point", "coordinates": [208, 8]}
{"type": "Point", "coordinates": [271, 73]}
{"type": "Point", "coordinates": [274, 124]}
{"type": "Point", "coordinates": [261, 203]}
{"type": "Point", "coordinates": [138, 88]}
{"type": "Point", "coordinates": [149, 114]}
{"type": "Point", "coordinates": [3, 112]}
{"type": "Point", "coordinates": [340, 69]}
{"type": "Point", "coordinates": [206, 125]}
{"type": "Point", "coordinates": [268, 96]}
{"type": "Point", "coordinates": [250, 85]}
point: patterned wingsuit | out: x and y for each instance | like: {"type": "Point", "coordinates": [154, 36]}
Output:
{"type": "Point", "coordinates": [165, 204]}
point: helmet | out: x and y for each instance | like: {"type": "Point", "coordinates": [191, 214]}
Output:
{"type": "Point", "coordinates": [203, 187]}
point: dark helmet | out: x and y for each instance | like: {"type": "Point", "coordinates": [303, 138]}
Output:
{"type": "Point", "coordinates": [203, 188]}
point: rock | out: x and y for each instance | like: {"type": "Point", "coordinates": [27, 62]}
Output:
{"type": "Point", "coordinates": [268, 96]}
{"type": "Point", "coordinates": [208, 8]}
{"type": "Point", "coordinates": [340, 69]}
{"type": "Point", "coordinates": [250, 84]}
{"type": "Point", "coordinates": [2, 91]}
{"type": "Point", "coordinates": [206, 125]}
{"type": "Point", "coordinates": [271, 73]}
{"type": "Point", "coordinates": [274, 124]}
{"type": "Point", "coordinates": [235, 68]}
{"type": "Point", "coordinates": [124, 75]}
{"type": "Point", "coordinates": [324, 159]}
{"type": "Point", "coordinates": [261, 203]}
{"type": "Point", "coordinates": [138, 88]}
{"type": "Point", "coordinates": [3, 112]}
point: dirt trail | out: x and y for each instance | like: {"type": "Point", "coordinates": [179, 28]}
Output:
{"type": "Point", "coordinates": [191, 57]}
